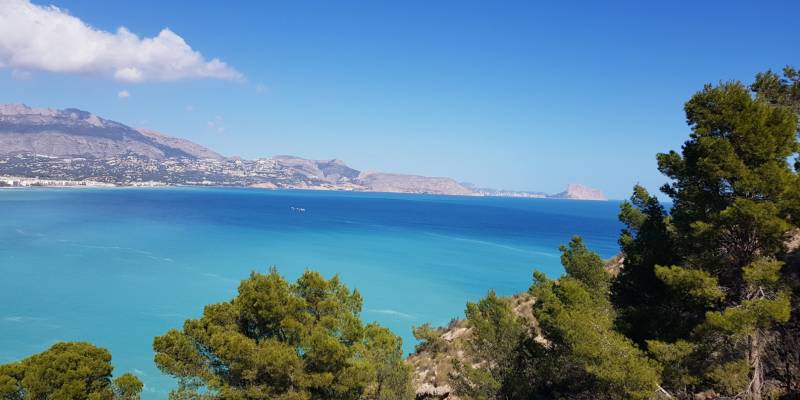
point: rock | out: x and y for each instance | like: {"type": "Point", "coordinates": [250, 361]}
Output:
{"type": "Point", "coordinates": [576, 191]}
{"type": "Point", "coordinates": [614, 264]}
{"type": "Point", "coordinates": [428, 391]}
{"type": "Point", "coordinates": [455, 334]}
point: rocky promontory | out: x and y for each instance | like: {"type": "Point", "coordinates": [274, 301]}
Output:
{"type": "Point", "coordinates": [576, 191]}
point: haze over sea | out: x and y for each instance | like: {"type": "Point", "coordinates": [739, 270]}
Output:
{"type": "Point", "coordinates": [119, 266]}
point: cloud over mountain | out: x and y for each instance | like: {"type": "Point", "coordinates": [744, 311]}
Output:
{"type": "Point", "coordinates": [47, 38]}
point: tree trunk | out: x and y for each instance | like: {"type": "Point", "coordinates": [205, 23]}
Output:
{"type": "Point", "coordinates": [756, 367]}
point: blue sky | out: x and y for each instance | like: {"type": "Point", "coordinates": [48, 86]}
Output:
{"type": "Point", "coordinates": [513, 95]}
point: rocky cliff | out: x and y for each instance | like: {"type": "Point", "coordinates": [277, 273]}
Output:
{"type": "Point", "coordinates": [575, 191]}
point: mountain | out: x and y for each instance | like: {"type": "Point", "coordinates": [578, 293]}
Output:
{"type": "Point", "coordinates": [336, 171]}
{"type": "Point", "coordinates": [77, 146]}
{"type": "Point", "coordinates": [397, 183]}
{"type": "Point", "coordinates": [575, 191]}
{"type": "Point", "coordinates": [72, 132]}
{"type": "Point", "coordinates": [192, 149]}
{"type": "Point", "coordinates": [331, 171]}
{"type": "Point", "coordinates": [72, 145]}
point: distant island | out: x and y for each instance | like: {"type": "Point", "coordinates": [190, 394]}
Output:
{"type": "Point", "coordinates": [71, 147]}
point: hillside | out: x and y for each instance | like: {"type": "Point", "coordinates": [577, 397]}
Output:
{"type": "Point", "coordinates": [433, 369]}
{"type": "Point", "coordinates": [45, 146]}
{"type": "Point", "coordinates": [76, 133]}
{"type": "Point", "coordinates": [397, 183]}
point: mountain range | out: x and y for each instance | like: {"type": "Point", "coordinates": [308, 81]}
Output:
{"type": "Point", "coordinates": [72, 145]}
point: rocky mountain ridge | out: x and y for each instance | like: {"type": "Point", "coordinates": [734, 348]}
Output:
{"type": "Point", "coordinates": [76, 133]}
{"type": "Point", "coordinates": [75, 145]}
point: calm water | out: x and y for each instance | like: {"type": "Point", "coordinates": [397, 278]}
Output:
{"type": "Point", "coordinates": [118, 267]}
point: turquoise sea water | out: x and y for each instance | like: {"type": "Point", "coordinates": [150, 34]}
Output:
{"type": "Point", "coordinates": [119, 266]}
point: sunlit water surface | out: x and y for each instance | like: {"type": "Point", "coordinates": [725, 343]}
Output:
{"type": "Point", "coordinates": [117, 267]}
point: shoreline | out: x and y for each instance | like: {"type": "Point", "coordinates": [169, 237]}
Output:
{"type": "Point", "coordinates": [18, 182]}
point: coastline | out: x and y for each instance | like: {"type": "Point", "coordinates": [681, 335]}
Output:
{"type": "Point", "coordinates": [11, 182]}
{"type": "Point", "coordinates": [18, 182]}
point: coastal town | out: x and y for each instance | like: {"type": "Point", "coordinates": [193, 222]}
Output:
{"type": "Point", "coordinates": [281, 172]}
{"type": "Point", "coordinates": [134, 170]}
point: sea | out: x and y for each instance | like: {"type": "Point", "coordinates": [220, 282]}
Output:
{"type": "Point", "coordinates": [117, 267]}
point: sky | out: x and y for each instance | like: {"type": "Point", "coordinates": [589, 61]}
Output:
{"type": "Point", "coordinates": [513, 95]}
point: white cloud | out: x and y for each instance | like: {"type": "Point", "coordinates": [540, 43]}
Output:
{"type": "Point", "coordinates": [261, 88]}
{"type": "Point", "coordinates": [47, 38]}
{"type": "Point", "coordinates": [123, 94]}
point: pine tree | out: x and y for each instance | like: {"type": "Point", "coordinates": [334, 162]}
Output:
{"type": "Point", "coordinates": [637, 294]}
{"type": "Point", "coordinates": [734, 194]}
{"type": "Point", "coordinates": [584, 357]}
{"type": "Point", "coordinates": [784, 350]}
{"type": "Point", "coordinates": [498, 342]}
{"type": "Point", "coordinates": [779, 90]}
{"type": "Point", "coordinates": [281, 340]}
{"type": "Point", "coordinates": [67, 370]}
